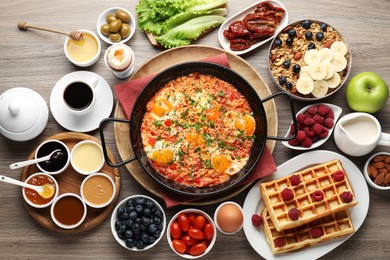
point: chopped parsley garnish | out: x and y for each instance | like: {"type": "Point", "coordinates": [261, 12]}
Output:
{"type": "Point", "coordinates": [158, 123]}
{"type": "Point", "coordinates": [221, 93]}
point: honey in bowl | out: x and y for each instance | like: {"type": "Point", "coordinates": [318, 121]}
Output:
{"type": "Point", "coordinates": [39, 180]}
{"type": "Point", "coordinates": [68, 210]}
{"type": "Point", "coordinates": [97, 190]}
{"type": "Point", "coordinates": [84, 50]}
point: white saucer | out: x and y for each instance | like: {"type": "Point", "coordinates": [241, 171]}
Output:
{"type": "Point", "coordinates": [85, 123]}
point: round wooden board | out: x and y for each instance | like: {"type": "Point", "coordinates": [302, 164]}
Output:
{"type": "Point", "coordinates": [165, 60]}
{"type": "Point", "coordinates": [70, 181]}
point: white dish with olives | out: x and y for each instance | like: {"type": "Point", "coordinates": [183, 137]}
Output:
{"type": "Point", "coordinates": [115, 25]}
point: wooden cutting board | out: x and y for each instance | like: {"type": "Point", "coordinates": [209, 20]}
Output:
{"type": "Point", "coordinates": [70, 181]}
{"type": "Point", "coordinates": [167, 59]}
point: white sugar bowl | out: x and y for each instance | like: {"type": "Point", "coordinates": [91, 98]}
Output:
{"type": "Point", "coordinates": [23, 114]}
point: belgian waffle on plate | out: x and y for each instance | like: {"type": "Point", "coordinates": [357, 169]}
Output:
{"type": "Point", "coordinates": [328, 227]}
{"type": "Point", "coordinates": [307, 195]}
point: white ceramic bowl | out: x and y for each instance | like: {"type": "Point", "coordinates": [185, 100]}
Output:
{"type": "Point", "coordinates": [366, 175]}
{"type": "Point", "coordinates": [62, 225]}
{"type": "Point", "coordinates": [198, 212]}
{"type": "Point", "coordinates": [32, 204]}
{"type": "Point", "coordinates": [102, 20]}
{"type": "Point", "coordinates": [97, 189]}
{"type": "Point", "coordinates": [74, 164]}
{"type": "Point", "coordinates": [124, 203]}
{"type": "Point", "coordinates": [54, 144]}
{"type": "Point", "coordinates": [336, 111]}
{"type": "Point", "coordinates": [216, 217]}
{"type": "Point", "coordinates": [90, 62]}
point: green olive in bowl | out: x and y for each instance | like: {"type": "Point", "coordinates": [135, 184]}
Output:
{"type": "Point", "coordinates": [110, 18]}
{"type": "Point", "coordinates": [105, 29]}
{"type": "Point", "coordinates": [115, 37]}
{"type": "Point", "coordinates": [120, 14]}
{"type": "Point", "coordinates": [115, 25]}
{"type": "Point", "coordinates": [125, 30]}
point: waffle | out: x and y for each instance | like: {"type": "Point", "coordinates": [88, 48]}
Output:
{"type": "Point", "coordinates": [314, 179]}
{"type": "Point", "coordinates": [332, 226]}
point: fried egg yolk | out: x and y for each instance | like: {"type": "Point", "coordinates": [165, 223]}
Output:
{"type": "Point", "coordinates": [161, 107]}
{"type": "Point", "coordinates": [246, 124]}
{"type": "Point", "coordinates": [213, 113]}
{"type": "Point", "coordinates": [162, 157]}
{"type": "Point", "coordinates": [221, 163]}
{"type": "Point", "coordinates": [194, 139]}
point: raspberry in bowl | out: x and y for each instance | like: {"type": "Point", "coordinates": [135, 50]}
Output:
{"type": "Point", "coordinates": [315, 124]}
{"type": "Point", "coordinates": [309, 60]}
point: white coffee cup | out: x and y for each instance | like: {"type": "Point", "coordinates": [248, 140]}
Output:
{"type": "Point", "coordinates": [79, 95]}
{"type": "Point", "coordinates": [357, 134]}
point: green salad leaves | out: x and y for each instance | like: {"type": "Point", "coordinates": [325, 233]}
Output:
{"type": "Point", "coordinates": [178, 22]}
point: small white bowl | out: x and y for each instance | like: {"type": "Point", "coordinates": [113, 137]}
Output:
{"type": "Point", "coordinates": [32, 204]}
{"type": "Point", "coordinates": [62, 225]}
{"type": "Point", "coordinates": [86, 158]}
{"type": "Point", "coordinates": [336, 111]}
{"type": "Point", "coordinates": [199, 212]}
{"type": "Point", "coordinates": [225, 43]}
{"type": "Point", "coordinates": [46, 148]}
{"type": "Point", "coordinates": [368, 179]}
{"type": "Point", "coordinates": [97, 188]}
{"type": "Point", "coordinates": [216, 217]}
{"type": "Point", "coordinates": [102, 20]}
{"type": "Point", "coordinates": [125, 204]}
{"type": "Point", "coordinates": [90, 62]}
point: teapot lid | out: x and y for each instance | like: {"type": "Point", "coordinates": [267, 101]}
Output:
{"type": "Point", "coordinates": [20, 109]}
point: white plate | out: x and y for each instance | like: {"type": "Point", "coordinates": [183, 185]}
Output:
{"type": "Point", "coordinates": [254, 204]}
{"type": "Point", "coordinates": [225, 43]}
{"type": "Point", "coordinates": [336, 111]}
{"type": "Point", "coordinates": [84, 123]}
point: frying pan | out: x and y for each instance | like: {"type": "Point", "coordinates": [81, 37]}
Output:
{"type": "Point", "coordinates": [223, 73]}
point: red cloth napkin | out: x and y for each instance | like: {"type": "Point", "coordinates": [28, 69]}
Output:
{"type": "Point", "coordinates": [127, 93]}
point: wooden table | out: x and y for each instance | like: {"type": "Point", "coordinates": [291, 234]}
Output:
{"type": "Point", "coordinates": [36, 60]}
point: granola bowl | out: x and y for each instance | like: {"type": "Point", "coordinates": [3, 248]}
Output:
{"type": "Point", "coordinates": [309, 59]}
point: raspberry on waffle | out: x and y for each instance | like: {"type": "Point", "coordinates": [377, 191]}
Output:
{"type": "Point", "coordinates": [326, 228]}
{"type": "Point", "coordinates": [281, 195]}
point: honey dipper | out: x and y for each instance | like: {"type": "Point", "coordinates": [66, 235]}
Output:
{"type": "Point", "coordinates": [75, 35]}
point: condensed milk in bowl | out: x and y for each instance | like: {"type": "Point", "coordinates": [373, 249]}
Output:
{"type": "Point", "coordinates": [85, 52]}
{"type": "Point", "coordinates": [87, 157]}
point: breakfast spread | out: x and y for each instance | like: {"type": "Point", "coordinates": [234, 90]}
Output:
{"type": "Point", "coordinates": [309, 59]}
{"type": "Point", "coordinates": [198, 130]}
{"type": "Point", "coordinates": [307, 195]}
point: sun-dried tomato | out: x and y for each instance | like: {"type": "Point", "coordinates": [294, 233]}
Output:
{"type": "Point", "coordinates": [228, 35]}
{"type": "Point", "coordinates": [239, 44]}
{"type": "Point", "coordinates": [238, 29]}
{"type": "Point", "coordinates": [260, 24]}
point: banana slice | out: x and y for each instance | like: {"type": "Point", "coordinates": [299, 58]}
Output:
{"type": "Point", "coordinates": [339, 47]}
{"type": "Point", "coordinates": [305, 85]}
{"type": "Point", "coordinates": [304, 71]}
{"type": "Point", "coordinates": [312, 57]}
{"type": "Point", "coordinates": [339, 62]}
{"type": "Point", "coordinates": [330, 69]}
{"type": "Point", "coordinates": [334, 81]}
{"type": "Point", "coordinates": [326, 55]}
{"type": "Point", "coordinates": [318, 71]}
{"type": "Point", "coordinates": [320, 88]}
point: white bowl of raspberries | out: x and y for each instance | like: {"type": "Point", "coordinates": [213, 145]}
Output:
{"type": "Point", "coordinates": [315, 124]}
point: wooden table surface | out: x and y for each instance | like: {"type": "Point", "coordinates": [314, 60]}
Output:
{"type": "Point", "coordinates": [36, 60]}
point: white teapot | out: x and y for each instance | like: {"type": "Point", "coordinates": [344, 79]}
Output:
{"type": "Point", "coordinates": [23, 114]}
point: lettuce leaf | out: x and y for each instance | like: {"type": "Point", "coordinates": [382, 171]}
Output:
{"type": "Point", "coordinates": [189, 31]}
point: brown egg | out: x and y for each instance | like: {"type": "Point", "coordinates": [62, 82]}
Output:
{"type": "Point", "coordinates": [229, 218]}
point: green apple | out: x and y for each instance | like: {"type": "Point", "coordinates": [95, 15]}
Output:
{"type": "Point", "coordinates": [367, 92]}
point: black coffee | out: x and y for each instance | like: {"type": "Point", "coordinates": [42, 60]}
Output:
{"type": "Point", "coordinates": [78, 95]}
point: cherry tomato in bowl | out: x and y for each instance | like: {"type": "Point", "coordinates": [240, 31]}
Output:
{"type": "Point", "coordinates": [191, 233]}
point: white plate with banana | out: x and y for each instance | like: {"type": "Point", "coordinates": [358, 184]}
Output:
{"type": "Point", "coordinates": [310, 60]}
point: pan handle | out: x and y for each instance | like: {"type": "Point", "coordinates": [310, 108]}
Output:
{"type": "Point", "coordinates": [101, 132]}
{"type": "Point", "coordinates": [294, 119]}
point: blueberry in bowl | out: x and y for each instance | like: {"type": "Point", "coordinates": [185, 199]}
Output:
{"type": "Point", "coordinates": [138, 222]}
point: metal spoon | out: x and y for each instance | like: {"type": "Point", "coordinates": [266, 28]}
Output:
{"type": "Point", "coordinates": [29, 162]}
{"type": "Point", "coordinates": [45, 191]}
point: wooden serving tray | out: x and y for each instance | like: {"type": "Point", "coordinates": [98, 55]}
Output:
{"type": "Point", "coordinates": [70, 181]}
{"type": "Point", "coordinates": [167, 59]}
